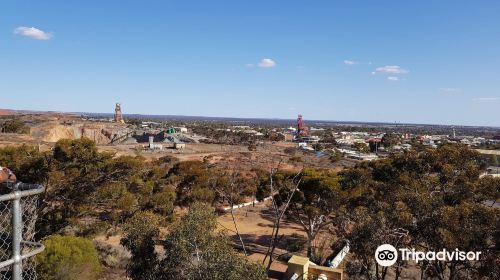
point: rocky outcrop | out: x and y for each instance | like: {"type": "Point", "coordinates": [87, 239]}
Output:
{"type": "Point", "coordinates": [101, 133]}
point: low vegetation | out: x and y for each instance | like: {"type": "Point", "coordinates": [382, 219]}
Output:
{"type": "Point", "coordinates": [193, 249]}
{"type": "Point", "coordinates": [13, 126]}
{"type": "Point", "coordinates": [431, 199]}
{"type": "Point", "coordinates": [68, 258]}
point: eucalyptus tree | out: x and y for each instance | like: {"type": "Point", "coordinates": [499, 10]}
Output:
{"type": "Point", "coordinates": [314, 204]}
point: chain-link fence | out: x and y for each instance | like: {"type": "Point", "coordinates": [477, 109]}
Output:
{"type": "Point", "coordinates": [18, 214]}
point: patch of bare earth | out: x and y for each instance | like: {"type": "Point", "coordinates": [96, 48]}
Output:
{"type": "Point", "coordinates": [255, 226]}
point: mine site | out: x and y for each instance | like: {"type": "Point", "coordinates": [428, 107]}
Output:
{"type": "Point", "coordinates": [217, 142]}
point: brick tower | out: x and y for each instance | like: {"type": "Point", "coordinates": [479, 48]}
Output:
{"type": "Point", "coordinates": [118, 113]}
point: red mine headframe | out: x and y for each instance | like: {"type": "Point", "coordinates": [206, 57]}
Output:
{"type": "Point", "coordinates": [301, 127]}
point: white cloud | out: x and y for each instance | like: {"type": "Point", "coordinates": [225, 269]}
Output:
{"type": "Point", "coordinates": [33, 33]}
{"type": "Point", "coordinates": [486, 99]}
{"type": "Point", "coordinates": [249, 65]}
{"type": "Point", "coordinates": [391, 78]}
{"type": "Point", "coordinates": [349, 62]}
{"type": "Point", "coordinates": [267, 63]}
{"type": "Point", "coordinates": [391, 69]}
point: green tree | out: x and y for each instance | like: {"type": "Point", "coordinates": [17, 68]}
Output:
{"type": "Point", "coordinates": [194, 250]}
{"type": "Point", "coordinates": [141, 231]}
{"type": "Point", "coordinates": [335, 156]}
{"type": "Point", "coordinates": [494, 160]}
{"type": "Point", "coordinates": [163, 201]}
{"type": "Point", "coordinates": [133, 121]}
{"type": "Point", "coordinates": [193, 182]}
{"type": "Point", "coordinates": [233, 188]}
{"type": "Point", "coordinates": [313, 204]}
{"type": "Point", "coordinates": [390, 139]}
{"type": "Point", "coordinates": [432, 199]}
{"type": "Point", "coordinates": [361, 147]}
{"type": "Point", "coordinates": [280, 187]}
{"type": "Point", "coordinates": [68, 258]}
{"type": "Point", "coordinates": [83, 183]}
{"type": "Point", "coordinates": [27, 162]}
{"type": "Point", "coordinates": [14, 126]}
{"type": "Point", "coordinates": [81, 152]}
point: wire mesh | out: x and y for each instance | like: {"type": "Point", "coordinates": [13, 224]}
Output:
{"type": "Point", "coordinates": [28, 202]}
{"type": "Point", "coordinates": [5, 237]}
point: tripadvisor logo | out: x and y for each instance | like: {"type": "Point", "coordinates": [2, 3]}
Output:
{"type": "Point", "coordinates": [387, 255]}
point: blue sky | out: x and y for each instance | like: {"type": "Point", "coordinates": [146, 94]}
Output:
{"type": "Point", "coordinates": [395, 61]}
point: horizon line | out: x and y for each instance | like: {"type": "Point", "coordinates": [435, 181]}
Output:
{"type": "Point", "coordinates": [255, 118]}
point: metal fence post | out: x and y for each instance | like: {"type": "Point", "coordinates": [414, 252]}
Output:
{"type": "Point", "coordinates": [17, 236]}
{"type": "Point", "coordinates": [18, 214]}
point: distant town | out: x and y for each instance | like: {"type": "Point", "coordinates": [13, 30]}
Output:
{"type": "Point", "coordinates": [183, 135]}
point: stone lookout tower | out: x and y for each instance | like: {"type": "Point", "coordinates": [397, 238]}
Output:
{"type": "Point", "coordinates": [118, 113]}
